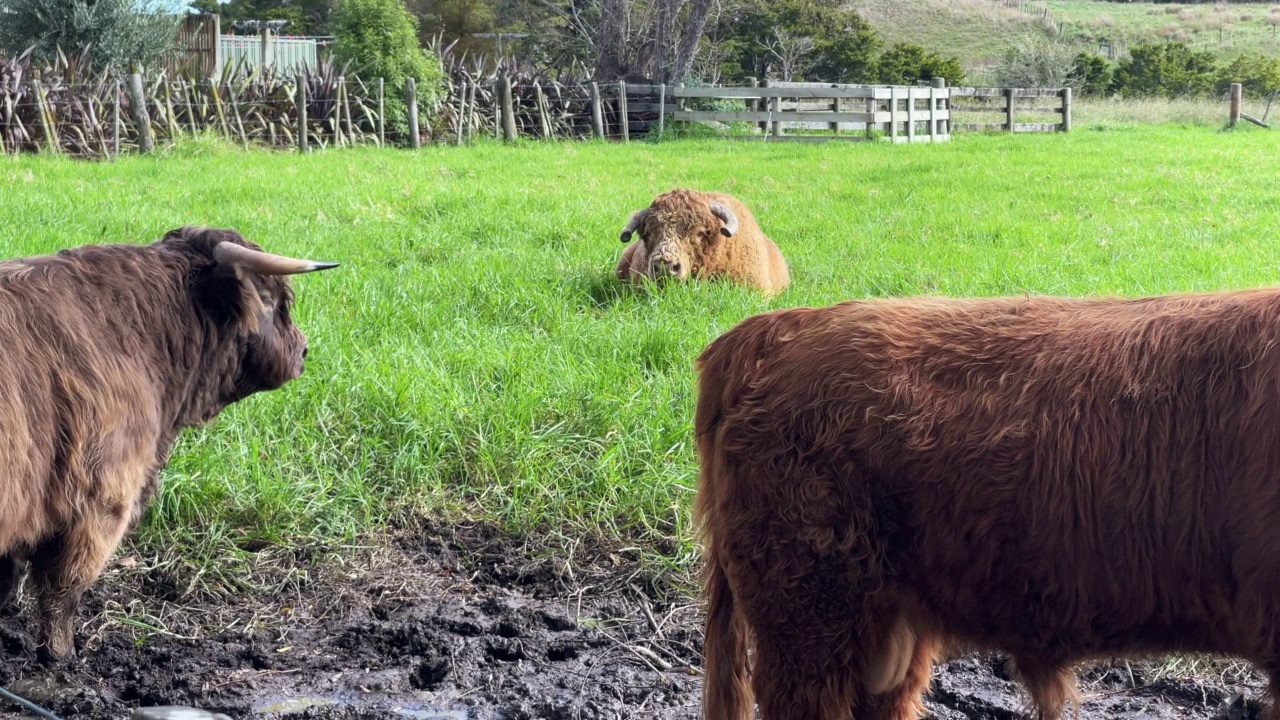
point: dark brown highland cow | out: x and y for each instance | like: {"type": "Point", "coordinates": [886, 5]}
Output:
{"type": "Point", "coordinates": [1058, 479]}
{"type": "Point", "coordinates": [106, 353]}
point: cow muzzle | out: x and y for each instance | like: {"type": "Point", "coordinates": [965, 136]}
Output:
{"type": "Point", "coordinates": [668, 266]}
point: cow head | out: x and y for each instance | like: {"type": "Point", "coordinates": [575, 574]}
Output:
{"type": "Point", "coordinates": [679, 230]}
{"type": "Point", "coordinates": [246, 295]}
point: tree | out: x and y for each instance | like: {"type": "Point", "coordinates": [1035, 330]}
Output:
{"type": "Point", "coordinates": [1258, 73]}
{"type": "Point", "coordinates": [1167, 69]}
{"type": "Point", "coordinates": [905, 63]}
{"type": "Point", "coordinates": [1036, 61]}
{"type": "Point", "coordinates": [306, 17]}
{"type": "Point", "coordinates": [455, 20]}
{"type": "Point", "coordinates": [789, 50]}
{"type": "Point", "coordinates": [1091, 74]}
{"type": "Point", "coordinates": [845, 45]}
{"type": "Point", "coordinates": [118, 33]}
{"type": "Point", "coordinates": [379, 38]}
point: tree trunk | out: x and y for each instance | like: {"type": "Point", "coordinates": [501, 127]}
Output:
{"type": "Point", "coordinates": [611, 43]}
{"type": "Point", "coordinates": [693, 29]}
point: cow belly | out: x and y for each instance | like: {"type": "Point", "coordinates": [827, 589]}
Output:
{"type": "Point", "coordinates": [1063, 592]}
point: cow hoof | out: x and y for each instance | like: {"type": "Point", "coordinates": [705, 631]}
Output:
{"type": "Point", "coordinates": [50, 659]}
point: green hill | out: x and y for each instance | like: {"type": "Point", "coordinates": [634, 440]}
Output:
{"type": "Point", "coordinates": [976, 31]}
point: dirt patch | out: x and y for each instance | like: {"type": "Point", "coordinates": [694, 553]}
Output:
{"type": "Point", "coordinates": [470, 623]}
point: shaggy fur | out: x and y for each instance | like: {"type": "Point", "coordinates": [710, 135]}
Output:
{"type": "Point", "coordinates": [106, 353]}
{"type": "Point", "coordinates": [1059, 479]}
{"type": "Point", "coordinates": [681, 237]}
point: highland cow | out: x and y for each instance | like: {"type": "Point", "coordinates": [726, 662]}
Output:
{"type": "Point", "coordinates": [685, 234]}
{"type": "Point", "coordinates": [106, 353]}
{"type": "Point", "coordinates": [1058, 479]}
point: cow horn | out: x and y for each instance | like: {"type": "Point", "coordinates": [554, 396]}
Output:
{"type": "Point", "coordinates": [632, 224]}
{"type": "Point", "coordinates": [263, 263]}
{"type": "Point", "coordinates": [723, 212]}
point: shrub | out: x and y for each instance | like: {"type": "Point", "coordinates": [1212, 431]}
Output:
{"type": "Point", "coordinates": [1166, 69]}
{"type": "Point", "coordinates": [117, 33]}
{"type": "Point", "coordinates": [1258, 73]}
{"type": "Point", "coordinates": [1090, 75]}
{"type": "Point", "coordinates": [904, 64]}
{"type": "Point", "coordinates": [379, 39]}
{"type": "Point", "coordinates": [1036, 61]}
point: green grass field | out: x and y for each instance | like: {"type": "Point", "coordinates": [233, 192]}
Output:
{"type": "Point", "coordinates": [473, 357]}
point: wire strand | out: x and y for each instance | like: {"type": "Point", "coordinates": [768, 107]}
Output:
{"type": "Point", "coordinates": [28, 705]}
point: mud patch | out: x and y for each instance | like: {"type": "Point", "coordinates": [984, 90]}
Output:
{"type": "Point", "coordinates": [468, 623]}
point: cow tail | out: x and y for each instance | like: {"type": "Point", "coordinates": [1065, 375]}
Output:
{"type": "Point", "coordinates": [725, 368]}
{"type": "Point", "coordinates": [726, 689]}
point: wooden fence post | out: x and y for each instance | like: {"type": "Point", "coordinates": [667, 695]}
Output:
{"type": "Point", "coordinates": [869, 127]}
{"type": "Point", "coordinates": [497, 109]}
{"type": "Point", "coordinates": [1236, 97]}
{"type": "Point", "coordinates": [539, 99]}
{"type": "Point", "coordinates": [763, 105]}
{"type": "Point", "coordinates": [462, 112]}
{"type": "Point", "coordinates": [508, 111]}
{"type": "Point", "coordinates": [911, 114]}
{"type": "Point", "coordinates": [115, 121]}
{"type": "Point", "coordinates": [776, 103]}
{"type": "Point", "coordinates": [597, 114]}
{"type": "Point", "coordinates": [304, 140]}
{"type": "Point", "coordinates": [893, 114]}
{"type": "Point", "coordinates": [933, 113]}
{"type": "Point", "coordinates": [622, 111]}
{"type": "Point", "coordinates": [382, 113]}
{"type": "Point", "coordinates": [943, 126]}
{"type": "Point", "coordinates": [1066, 109]}
{"type": "Point", "coordinates": [145, 142]}
{"type": "Point", "coordinates": [471, 102]}
{"type": "Point", "coordinates": [1009, 104]}
{"type": "Point", "coordinates": [411, 99]}
{"type": "Point", "coordinates": [662, 108]}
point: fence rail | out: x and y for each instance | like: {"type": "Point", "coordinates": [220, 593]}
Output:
{"type": "Point", "coordinates": [307, 110]}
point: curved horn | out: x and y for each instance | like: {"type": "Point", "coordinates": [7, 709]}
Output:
{"type": "Point", "coordinates": [233, 255]}
{"type": "Point", "coordinates": [723, 212]}
{"type": "Point", "coordinates": [632, 224]}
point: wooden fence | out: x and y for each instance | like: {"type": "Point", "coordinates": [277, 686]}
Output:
{"type": "Point", "coordinates": [1013, 109]}
{"type": "Point", "coordinates": [106, 117]}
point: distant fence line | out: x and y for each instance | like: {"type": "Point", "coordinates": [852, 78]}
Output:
{"type": "Point", "coordinates": [201, 50]}
{"type": "Point", "coordinates": [106, 118]}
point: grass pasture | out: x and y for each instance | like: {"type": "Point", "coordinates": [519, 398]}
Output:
{"type": "Point", "coordinates": [1224, 28]}
{"type": "Point", "coordinates": [473, 357]}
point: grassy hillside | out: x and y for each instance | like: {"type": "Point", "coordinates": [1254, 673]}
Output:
{"type": "Point", "coordinates": [977, 31]}
{"type": "Point", "coordinates": [473, 356]}
{"type": "Point", "coordinates": [1227, 29]}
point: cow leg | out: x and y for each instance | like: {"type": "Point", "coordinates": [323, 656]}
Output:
{"type": "Point", "coordinates": [12, 568]}
{"type": "Point", "coordinates": [64, 567]}
{"type": "Point", "coordinates": [905, 701]}
{"type": "Point", "coordinates": [807, 636]}
{"type": "Point", "coordinates": [1051, 687]}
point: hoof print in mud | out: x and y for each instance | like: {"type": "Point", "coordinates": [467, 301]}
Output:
{"type": "Point", "coordinates": [430, 673]}
{"type": "Point", "coordinates": [561, 653]}
{"type": "Point", "coordinates": [506, 650]}
{"type": "Point", "coordinates": [558, 623]}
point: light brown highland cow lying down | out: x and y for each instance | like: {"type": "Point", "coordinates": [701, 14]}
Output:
{"type": "Point", "coordinates": [685, 233]}
{"type": "Point", "coordinates": [1059, 479]}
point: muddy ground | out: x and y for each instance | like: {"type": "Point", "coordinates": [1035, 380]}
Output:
{"type": "Point", "coordinates": [469, 623]}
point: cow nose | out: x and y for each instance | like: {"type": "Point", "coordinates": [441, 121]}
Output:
{"type": "Point", "coordinates": [305, 348]}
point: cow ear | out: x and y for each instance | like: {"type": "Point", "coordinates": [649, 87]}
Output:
{"type": "Point", "coordinates": [636, 218]}
{"type": "Point", "coordinates": [229, 295]}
